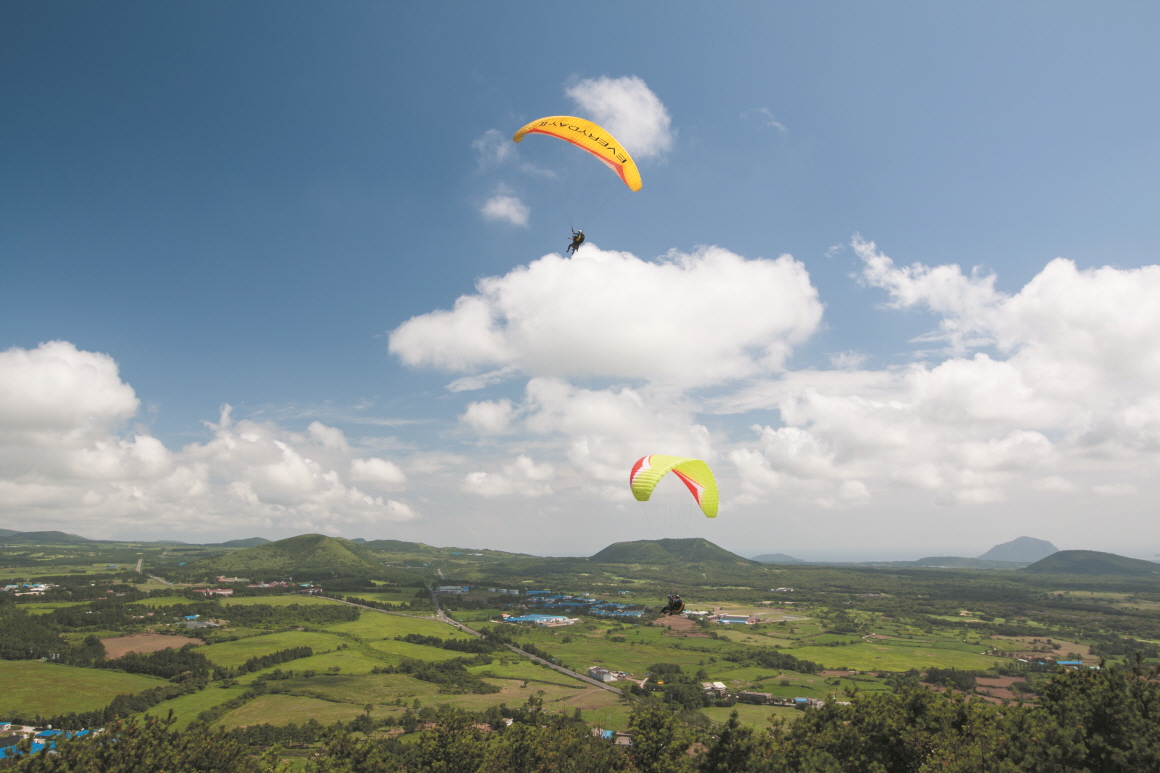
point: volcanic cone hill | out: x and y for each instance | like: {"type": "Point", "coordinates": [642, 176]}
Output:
{"type": "Point", "coordinates": [666, 551]}
{"type": "Point", "coordinates": [306, 557]}
{"type": "Point", "coordinates": [1094, 562]}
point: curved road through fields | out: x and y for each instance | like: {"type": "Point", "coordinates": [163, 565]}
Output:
{"type": "Point", "coordinates": [442, 617]}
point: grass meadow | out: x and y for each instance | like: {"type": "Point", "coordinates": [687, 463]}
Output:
{"type": "Point", "coordinates": [38, 687]}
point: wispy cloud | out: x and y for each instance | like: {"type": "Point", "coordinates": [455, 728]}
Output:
{"type": "Point", "coordinates": [765, 116]}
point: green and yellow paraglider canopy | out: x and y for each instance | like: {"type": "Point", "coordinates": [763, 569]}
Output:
{"type": "Point", "coordinates": [648, 471]}
{"type": "Point", "coordinates": [590, 137]}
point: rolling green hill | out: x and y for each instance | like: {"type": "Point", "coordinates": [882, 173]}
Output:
{"type": "Point", "coordinates": [665, 551]}
{"type": "Point", "coordinates": [306, 557]}
{"type": "Point", "coordinates": [1093, 562]}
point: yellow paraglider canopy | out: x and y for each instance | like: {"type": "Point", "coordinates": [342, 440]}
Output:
{"type": "Point", "coordinates": [590, 137]}
{"type": "Point", "coordinates": [695, 474]}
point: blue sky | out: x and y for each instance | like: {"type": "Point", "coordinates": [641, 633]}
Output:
{"type": "Point", "coordinates": [243, 204]}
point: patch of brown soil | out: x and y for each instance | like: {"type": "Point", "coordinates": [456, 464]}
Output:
{"type": "Point", "coordinates": [116, 646]}
{"type": "Point", "coordinates": [998, 687]}
{"type": "Point", "coordinates": [680, 626]}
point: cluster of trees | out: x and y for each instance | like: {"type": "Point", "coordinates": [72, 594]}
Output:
{"type": "Point", "coordinates": [274, 658]}
{"type": "Point", "coordinates": [168, 663]}
{"type": "Point", "coordinates": [451, 675]}
{"type": "Point", "coordinates": [963, 681]}
{"type": "Point", "coordinates": [767, 657]}
{"type": "Point", "coordinates": [474, 646]}
{"type": "Point", "coordinates": [1110, 646]}
{"type": "Point", "coordinates": [24, 636]}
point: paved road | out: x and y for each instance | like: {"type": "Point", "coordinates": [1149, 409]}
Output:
{"type": "Point", "coordinates": [163, 582]}
{"type": "Point", "coordinates": [595, 682]}
{"type": "Point", "coordinates": [139, 560]}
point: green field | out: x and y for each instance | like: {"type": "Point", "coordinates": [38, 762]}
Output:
{"type": "Point", "coordinates": [45, 607]}
{"type": "Point", "coordinates": [878, 656]}
{"type": "Point", "coordinates": [405, 596]}
{"type": "Point", "coordinates": [284, 709]}
{"type": "Point", "coordinates": [376, 625]}
{"type": "Point", "coordinates": [165, 601]}
{"type": "Point", "coordinates": [187, 707]}
{"type": "Point", "coordinates": [36, 687]}
{"type": "Point", "coordinates": [753, 716]}
{"type": "Point", "coordinates": [234, 653]}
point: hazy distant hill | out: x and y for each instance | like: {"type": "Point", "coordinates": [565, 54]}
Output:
{"type": "Point", "coordinates": [1025, 550]}
{"type": "Point", "coordinates": [776, 558]}
{"type": "Point", "coordinates": [1093, 562]}
{"type": "Point", "coordinates": [307, 556]}
{"type": "Point", "coordinates": [41, 538]}
{"type": "Point", "coordinates": [249, 542]}
{"type": "Point", "coordinates": [955, 562]}
{"type": "Point", "coordinates": [7, 532]}
{"type": "Point", "coordinates": [664, 551]}
{"type": "Point", "coordinates": [397, 546]}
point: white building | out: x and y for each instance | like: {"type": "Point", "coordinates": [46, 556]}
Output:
{"type": "Point", "coordinates": [602, 674]}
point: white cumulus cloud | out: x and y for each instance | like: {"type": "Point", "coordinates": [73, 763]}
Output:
{"type": "Point", "coordinates": [522, 477]}
{"type": "Point", "coordinates": [1071, 382]}
{"type": "Point", "coordinates": [629, 109]}
{"type": "Point", "coordinates": [703, 318]}
{"type": "Point", "coordinates": [67, 461]}
{"type": "Point", "coordinates": [506, 208]}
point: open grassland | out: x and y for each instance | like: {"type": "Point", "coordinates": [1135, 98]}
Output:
{"type": "Point", "coordinates": [165, 601]}
{"type": "Point", "coordinates": [286, 709]}
{"type": "Point", "coordinates": [54, 570]}
{"type": "Point", "coordinates": [376, 625]}
{"type": "Point", "coordinates": [33, 687]}
{"type": "Point", "coordinates": [187, 707]}
{"type": "Point", "coordinates": [405, 596]}
{"type": "Point", "coordinates": [889, 656]}
{"type": "Point", "coordinates": [45, 607]}
{"type": "Point", "coordinates": [397, 650]}
{"type": "Point", "coordinates": [235, 653]}
{"type": "Point", "coordinates": [754, 716]}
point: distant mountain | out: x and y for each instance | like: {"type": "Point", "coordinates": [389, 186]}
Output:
{"type": "Point", "coordinates": [665, 551]}
{"type": "Point", "coordinates": [249, 542]}
{"type": "Point", "coordinates": [359, 540]}
{"type": "Point", "coordinates": [1094, 562]}
{"type": "Point", "coordinates": [7, 532]}
{"type": "Point", "coordinates": [776, 558]}
{"type": "Point", "coordinates": [1025, 550]}
{"type": "Point", "coordinates": [42, 538]}
{"type": "Point", "coordinates": [307, 556]}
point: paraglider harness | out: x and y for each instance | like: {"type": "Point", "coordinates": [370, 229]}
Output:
{"type": "Point", "coordinates": [577, 240]}
{"type": "Point", "coordinates": [674, 607]}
